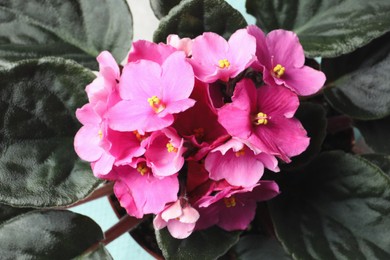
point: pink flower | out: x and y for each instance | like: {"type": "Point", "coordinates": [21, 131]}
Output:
{"type": "Point", "coordinates": [164, 153]}
{"type": "Point", "coordinates": [234, 208]}
{"type": "Point", "coordinates": [145, 50]}
{"type": "Point", "coordinates": [139, 192]}
{"type": "Point", "coordinates": [102, 91]}
{"type": "Point", "coordinates": [179, 219]}
{"type": "Point", "coordinates": [152, 94]}
{"type": "Point", "coordinates": [213, 58]}
{"type": "Point", "coordinates": [263, 118]}
{"type": "Point", "coordinates": [238, 164]}
{"type": "Point", "coordinates": [184, 44]}
{"type": "Point", "coordinates": [281, 57]}
{"type": "Point", "coordinates": [90, 142]}
{"type": "Point", "coordinates": [199, 124]}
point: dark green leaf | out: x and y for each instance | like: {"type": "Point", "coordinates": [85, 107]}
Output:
{"type": "Point", "coordinates": [313, 119]}
{"type": "Point", "coordinates": [259, 247]}
{"type": "Point", "coordinates": [38, 166]}
{"type": "Point", "coordinates": [162, 7]}
{"type": "Point", "coordinates": [339, 210]}
{"type": "Point", "coordinates": [193, 17]}
{"type": "Point", "coordinates": [101, 253]}
{"type": "Point", "coordinates": [8, 212]}
{"type": "Point", "coordinates": [376, 134]}
{"type": "Point", "coordinates": [363, 94]}
{"type": "Point", "coordinates": [380, 160]}
{"type": "Point", "coordinates": [52, 234]}
{"type": "Point", "coordinates": [74, 29]}
{"type": "Point", "coordinates": [206, 244]}
{"type": "Point", "coordinates": [326, 28]}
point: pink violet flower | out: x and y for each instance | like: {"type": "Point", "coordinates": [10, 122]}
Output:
{"type": "Point", "coordinates": [164, 153]}
{"type": "Point", "coordinates": [179, 219]}
{"type": "Point", "coordinates": [145, 50]}
{"type": "Point", "coordinates": [102, 90]}
{"type": "Point", "coordinates": [214, 58]}
{"type": "Point", "coordinates": [182, 44]}
{"type": "Point", "coordinates": [281, 57]}
{"type": "Point", "coordinates": [90, 142]}
{"type": "Point", "coordinates": [233, 208]}
{"type": "Point", "coordinates": [238, 164]}
{"type": "Point", "coordinates": [152, 94]}
{"type": "Point", "coordinates": [139, 192]}
{"type": "Point", "coordinates": [263, 118]}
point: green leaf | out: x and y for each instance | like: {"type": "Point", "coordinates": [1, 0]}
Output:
{"type": "Point", "coordinates": [376, 134]}
{"type": "Point", "coordinates": [363, 94]}
{"type": "Point", "coordinates": [101, 253]}
{"type": "Point", "coordinates": [259, 247]}
{"type": "Point", "coordinates": [205, 244]}
{"type": "Point", "coordinates": [313, 119]}
{"type": "Point", "coordinates": [380, 160]}
{"type": "Point", "coordinates": [162, 7]}
{"type": "Point", "coordinates": [74, 29]}
{"type": "Point", "coordinates": [8, 212]}
{"type": "Point", "coordinates": [193, 17]}
{"type": "Point", "coordinates": [326, 28]}
{"type": "Point", "coordinates": [339, 210]}
{"type": "Point", "coordinates": [52, 234]}
{"type": "Point", "coordinates": [38, 100]}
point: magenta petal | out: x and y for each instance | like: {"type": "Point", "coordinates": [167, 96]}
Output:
{"type": "Point", "coordinates": [87, 115]}
{"type": "Point", "coordinates": [139, 80]}
{"type": "Point", "coordinates": [209, 48]}
{"type": "Point", "coordinates": [242, 50]}
{"type": "Point", "coordinates": [179, 106]}
{"type": "Point", "coordinates": [265, 191]}
{"type": "Point", "coordinates": [145, 50]}
{"type": "Point", "coordinates": [277, 100]}
{"type": "Point", "coordinates": [108, 67]}
{"type": "Point", "coordinates": [103, 166]}
{"type": "Point", "coordinates": [262, 53]}
{"type": "Point", "coordinates": [177, 78]}
{"type": "Point", "coordinates": [285, 48]}
{"type": "Point", "coordinates": [304, 81]}
{"type": "Point", "coordinates": [238, 217]}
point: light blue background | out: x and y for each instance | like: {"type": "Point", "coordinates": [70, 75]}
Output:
{"type": "Point", "coordinates": [125, 248]}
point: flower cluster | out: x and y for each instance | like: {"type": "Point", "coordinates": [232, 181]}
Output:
{"type": "Point", "coordinates": [186, 129]}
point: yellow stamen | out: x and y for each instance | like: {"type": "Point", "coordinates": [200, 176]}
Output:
{"type": "Point", "coordinates": [171, 148]}
{"type": "Point", "coordinates": [279, 70]}
{"type": "Point", "coordinates": [199, 132]}
{"type": "Point", "coordinates": [142, 168]}
{"type": "Point", "coordinates": [261, 119]}
{"type": "Point", "coordinates": [100, 133]}
{"type": "Point", "coordinates": [224, 64]}
{"type": "Point", "coordinates": [156, 104]}
{"type": "Point", "coordinates": [240, 152]}
{"type": "Point", "coordinates": [230, 202]}
{"type": "Point", "coordinates": [139, 136]}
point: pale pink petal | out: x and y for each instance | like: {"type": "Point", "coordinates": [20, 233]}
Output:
{"type": "Point", "coordinates": [108, 67]}
{"type": "Point", "coordinates": [86, 143]}
{"type": "Point", "coordinates": [140, 80]}
{"type": "Point", "coordinates": [304, 81]}
{"type": "Point", "coordinates": [285, 49]}
{"type": "Point", "coordinates": [190, 215]}
{"type": "Point", "coordinates": [158, 222]}
{"type": "Point", "coordinates": [172, 212]}
{"type": "Point", "coordinates": [87, 115]}
{"type": "Point", "coordinates": [146, 50]}
{"type": "Point", "coordinates": [177, 80]}
{"type": "Point", "coordinates": [178, 106]}
{"type": "Point", "coordinates": [180, 230]}
{"type": "Point", "coordinates": [184, 44]}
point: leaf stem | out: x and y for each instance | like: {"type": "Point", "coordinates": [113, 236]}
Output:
{"type": "Point", "coordinates": [125, 224]}
{"type": "Point", "coordinates": [105, 190]}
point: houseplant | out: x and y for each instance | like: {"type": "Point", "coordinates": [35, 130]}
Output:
{"type": "Point", "coordinates": [333, 201]}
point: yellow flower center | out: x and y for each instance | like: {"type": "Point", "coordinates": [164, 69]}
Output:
{"type": "Point", "coordinates": [156, 104]}
{"type": "Point", "coordinates": [171, 148]}
{"type": "Point", "coordinates": [224, 64]}
{"type": "Point", "coordinates": [261, 119]}
{"type": "Point", "coordinates": [230, 202]}
{"type": "Point", "coordinates": [139, 136]}
{"type": "Point", "coordinates": [279, 70]}
{"type": "Point", "coordinates": [240, 152]}
{"type": "Point", "coordinates": [100, 133]}
{"type": "Point", "coordinates": [142, 168]}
